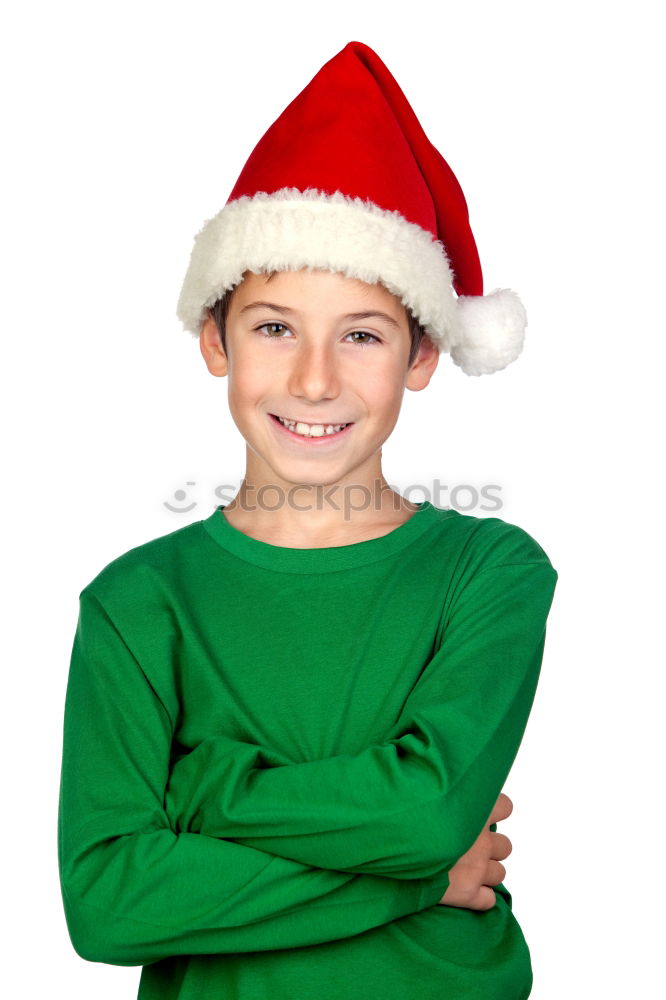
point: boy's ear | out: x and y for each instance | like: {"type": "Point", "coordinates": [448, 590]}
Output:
{"type": "Point", "coordinates": [423, 366]}
{"type": "Point", "coordinates": [211, 348]}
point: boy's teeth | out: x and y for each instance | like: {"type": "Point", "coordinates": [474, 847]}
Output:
{"type": "Point", "coordinates": [311, 430]}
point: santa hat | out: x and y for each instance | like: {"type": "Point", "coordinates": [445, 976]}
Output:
{"type": "Point", "coordinates": [347, 180]}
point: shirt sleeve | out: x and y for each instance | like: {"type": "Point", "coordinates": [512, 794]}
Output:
{"type": "Point", "coordinates": [134, 889]}
{"type": "Point", "coordinates": [411, 806]}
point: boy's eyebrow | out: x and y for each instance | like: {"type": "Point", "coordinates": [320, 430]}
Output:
{"type": "Point", "coordinates": [352, 316]}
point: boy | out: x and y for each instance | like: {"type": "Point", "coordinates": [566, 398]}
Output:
{"type": "Point", "coordinates": [288, 725]}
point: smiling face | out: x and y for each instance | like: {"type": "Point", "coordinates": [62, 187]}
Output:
{"type": "Point", "coordinates": [323, 349]}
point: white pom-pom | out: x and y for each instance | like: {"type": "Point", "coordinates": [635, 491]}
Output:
{"type": "Point", "coordinates": [490, 331]}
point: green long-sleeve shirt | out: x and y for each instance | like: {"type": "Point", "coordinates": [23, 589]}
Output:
{"type": "Point", "coordinates": [273, 756]}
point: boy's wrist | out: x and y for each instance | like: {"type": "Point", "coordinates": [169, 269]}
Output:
{"type": "Point", "coordinates": [433, 889]}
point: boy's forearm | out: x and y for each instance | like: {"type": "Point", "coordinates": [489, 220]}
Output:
{"type": "Point", "coordinates": [191, 894]}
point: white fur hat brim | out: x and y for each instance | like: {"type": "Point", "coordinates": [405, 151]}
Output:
{"type": "Point", "coordinates": [292, 229]}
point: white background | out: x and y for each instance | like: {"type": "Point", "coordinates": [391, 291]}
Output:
{"type": "Point", "coordinates": [125, 127]}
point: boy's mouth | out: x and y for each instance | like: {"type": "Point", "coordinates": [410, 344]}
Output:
{"type": "Point", "coordinates": [307, 430]}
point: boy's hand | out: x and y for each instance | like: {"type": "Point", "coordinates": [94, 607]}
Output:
{"type": "Point", "coordinates": [472, 876]}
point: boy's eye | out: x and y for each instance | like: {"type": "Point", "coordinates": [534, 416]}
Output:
{"type": "Point", "coordinates": [363, 333]}
{"type": "Point", "coordinates": [265, 325]}
{"type": "Point", "coordinates": [354, 333]}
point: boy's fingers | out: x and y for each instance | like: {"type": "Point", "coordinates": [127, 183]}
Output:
{"type": "Point", "coordinates": [502, 809]}
{"type": "Point", "coordinates": [485, 899]}
{"type": "Point", "coordinates": [496, 873]}
{"type": "Point", "coordinates": [501, 846]}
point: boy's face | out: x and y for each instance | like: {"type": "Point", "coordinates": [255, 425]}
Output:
{"type": "Point", "coordinates": [298, 355]}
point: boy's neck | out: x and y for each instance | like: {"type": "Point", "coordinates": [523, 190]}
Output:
{"type": "Point", "coordinates": [312, 520]}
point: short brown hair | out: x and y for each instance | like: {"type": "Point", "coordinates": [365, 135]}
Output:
{"type": "Point", "coordinates": [220, 310]}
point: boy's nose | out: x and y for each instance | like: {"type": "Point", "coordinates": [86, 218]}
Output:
{"type": "Point", "coordinates": [314, 374]}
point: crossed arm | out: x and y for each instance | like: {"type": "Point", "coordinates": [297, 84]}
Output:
{"type": "Point", "coordinates": [136, 888]}
{"type": "Point", "coordinates": [409, 807]}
